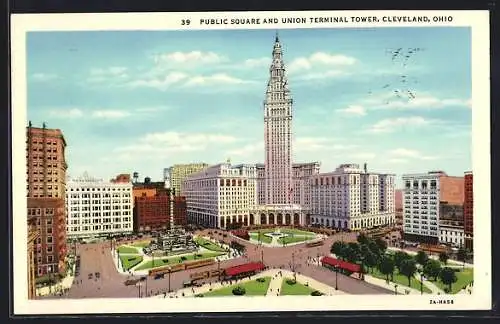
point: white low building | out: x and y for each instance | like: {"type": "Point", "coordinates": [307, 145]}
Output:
{"type": "Point", "coordinates": [352, 198]}
{"type": "Point", "coordinates": [452, 235]}
{"type": "Point", "coordinates": [221, 195]}
{"type": "Point", "coordinates": [97, 208]}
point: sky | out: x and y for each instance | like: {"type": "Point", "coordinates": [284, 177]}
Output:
{"type": "Point", "coordinates": [141, 101]}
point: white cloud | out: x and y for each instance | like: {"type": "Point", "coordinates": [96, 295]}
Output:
{"type": "Point", "coordinates": [397, 160]}
{"type": "Point", "coordinates": [354, 110]}
{"type": "Point", "coordinates": [401, 153]}
{"type": "Point", "coordinates": [160, 84]}
{"type": "Point", "coordinates": [113, 70]}
{"type": "Point", "coordinates": [110, 114]}
{"type": "Point", "coordinates": [66, 113]}
{"type": "Point", "coordinates": [257, 62]}
{"type": "Point", "coordinates": [326, 74]}
{"type": "Point", "coordinates": [248, 150]}
{"type": "Point", "coordinates": [421, 100]}
{"type": "Point", "coordinates": [215, 79]}
{"type": "Point", "coordinates": [311, 144]}
{"type": "Point", "coordinates": [190, 58]}
{"type": "Point", "coordinates": [113, 73]}
{"type": "Point", "coordinates": [175, 142]}
{"type": "Point", "coordinates": [44, 77]}
{"type": "Point", "coordinates": [319, 60]}
{"type": "Point", "coordinates": [392, 124]}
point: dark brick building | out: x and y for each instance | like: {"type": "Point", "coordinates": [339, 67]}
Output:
{"type": "Point", "coordinates": [468, 210]}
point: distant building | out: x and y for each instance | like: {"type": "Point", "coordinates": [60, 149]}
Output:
{"type": "Point", "coordinates": [121, 178]}
{"type": "Point", "coordinates": [221, 195]}
{"type": "Point", "coordinates": [353, 198]}
{"type": "Point", "coordinates": [46, 185]}
{"type": "Point", "coordinates": [97, 208]}
{"type": "Point", "coordinates": [398, 203]}
{"type": "Point", "coordinates": [432, 200]}
{"type": "Point", "coordinates": [152, 207]}
{"type": "Point", "coordinates": [469, 210]}
{"type": "Point", "coordinates": [179, 172]}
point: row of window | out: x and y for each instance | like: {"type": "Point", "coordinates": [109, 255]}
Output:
{"type": "Point", "coordinates": [99, 189]}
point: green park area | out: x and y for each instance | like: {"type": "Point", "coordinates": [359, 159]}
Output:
{"type": "Point", "coordinates": [294, 239]}
{"type": "Point", "coordinates": [207, 244]}
{"type": "Point", "coordinates": [293, 231]}
{"type": "Point", "coordinates": [464, 277]}
{"type": "Point", "coordinates": [256, 287]}
{"type": "Point", "coordinates": [400, 279]}
{"type": "Point", "coordinates": [263, 238]}
{"type": "Point", "coordinates": [130, 261]}
{"type": "Point", "coordinates": [160, 262]}
{"type": "Point", "coordinates": [289, 287]}
{"type": "Point", "coordinates": [128, 250]}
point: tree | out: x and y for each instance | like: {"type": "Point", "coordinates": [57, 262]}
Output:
{"type": "Point", "coordinates": [408, 268]}
{"type": "Point", "coordinates": [374, 247]}
{"type": "Point", "coordinates": [421, 258]}
{"type": "Point", "coordinates": [338, 248]}
{"type": "Point", "coordinates": [353, 252]}
{"type": "Point", "coordinates": [370, 259]}
{"type": "Point", "coordinates": [432, 268]}
{"type": "Point", "coordinates": [399, 257]}
{"type": "Point", "coordinates": [443, 257]}
{"type": "Point", "coordinates": [448, 277]}
{"type": "Point", "coordinates": [363, 239]}
{"type": "Point", "coordinates": [386, 266]}
{"type": "Point", "coordinates": [382, 245]}
{"type": "Point", "coordinates": [462, 255]}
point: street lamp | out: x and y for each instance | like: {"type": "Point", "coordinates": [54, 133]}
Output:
{"type": "Point", "coordinates": [421, 283]}
{"type": "Point", "coordinates": [336, 276]}
{"type": "Point", "coordinates": [169, 272]}
{"type": "Point", "coordinates": [395, 289]}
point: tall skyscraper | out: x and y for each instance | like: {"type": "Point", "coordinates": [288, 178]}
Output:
{"type": "Point", "coordinates": [278, 132]}
{"type": "Point", "coordinates": [46, 186]}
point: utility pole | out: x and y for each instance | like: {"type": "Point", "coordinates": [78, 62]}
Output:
{"type": "Point", "coordinates": [146, 292]}
{"type": "Point", "coordinates": [169, 272]}
{"type": "Point", "coordinates": [336, 277]}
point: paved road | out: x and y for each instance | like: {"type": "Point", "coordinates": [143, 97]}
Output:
{"type": "Point", "coordinates": [97, 258]}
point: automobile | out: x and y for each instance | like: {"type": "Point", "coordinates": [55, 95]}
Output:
{"type": "Point", "coordinates": [91, 275]}
{"type": "Point", "coordinates": [98, 275]}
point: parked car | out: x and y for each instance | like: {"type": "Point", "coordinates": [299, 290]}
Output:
{"type": "Point", "coordinates": [91, 275]}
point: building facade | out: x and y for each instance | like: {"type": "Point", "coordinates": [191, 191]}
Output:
{"type": "Point", "coordinates": [352, 198]}
{"type": "Point", "coordinates": [97, 208]}
{"type": "Point", "coordinates": [469, 210]}
{"type": "Point", "coordinates": [398, 203]}
{"type": "Point", "coordinates": [33, 235]}
{"type": "Point", "coordinates": [221, 195]}
{"type": "Point", "coordinates": [177, 173]}
{"type": "Point", "coordinates": [452, 235]}
{"type": "Point", "coordinates": [46, 185]}
{"type": "Point", "coordinates": [180, 211]}
{"type": "Point", "coordinates": [301, 179]}
{"type": "Point", "coordinates": [430, 199]}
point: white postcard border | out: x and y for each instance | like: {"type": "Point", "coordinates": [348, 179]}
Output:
{"type": "Point", "coordinates": [478, 21]}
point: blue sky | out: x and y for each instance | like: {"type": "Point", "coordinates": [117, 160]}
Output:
{"type": "Point", "coordinates": [141, 100]}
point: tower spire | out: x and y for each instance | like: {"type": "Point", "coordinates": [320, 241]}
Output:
{"type": "Point", "coordinates": [277, 39]}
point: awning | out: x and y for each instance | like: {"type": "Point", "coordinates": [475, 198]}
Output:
{"type": "Point", "coordinates": [244, 268]}
{"type": "Point", "coordinates": [341, 264]}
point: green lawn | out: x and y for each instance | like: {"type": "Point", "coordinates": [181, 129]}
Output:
{"type": "Point", "coordinates": [464, 277]}
{"type": "Point", "coordinates": [400, 280]}
{"type": "Point", "coordinates": [263, 238]}
{"type": "Point", "coordinates": [296, 289]}
{"type": "Point", "coordinates": [209, 245]}
{"type": "Point", "coordinates": [253, 288]}
{"type": "Point", "coordinates": [296, 231]}
{"type": "Point", "coordinates": [294, 239]}
{"type": "Point", "coordinates": [127, 249]}
{"type": "Point", "coordinates": [176, 260]}
{"type": "Point", "coordinates": [129, 261]}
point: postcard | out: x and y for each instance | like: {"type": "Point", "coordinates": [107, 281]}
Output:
{"type": "Point", "coordinates": [251, 161]}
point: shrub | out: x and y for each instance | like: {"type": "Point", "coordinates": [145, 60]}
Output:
{"type": "Point", "coordinates": [261, 280]}
{"type": "Point", "coordinates": [316, 293]}
{"type": "Point", "coordinates": [183, 258]}
{"type": "Point", "coordinates": [198, 295]}
{"type": "Point", "coordinates": [291, 281]}
{"type": "Point", "coordinates": [239, 291]}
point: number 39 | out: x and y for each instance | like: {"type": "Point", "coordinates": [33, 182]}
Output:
{"type": "Point", "coordinates": [185, 22]}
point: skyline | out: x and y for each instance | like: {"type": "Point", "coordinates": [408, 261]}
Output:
{"type": "Point", "coordinates": [134, 102]}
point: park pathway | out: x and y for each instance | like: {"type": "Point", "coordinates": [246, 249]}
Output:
{"type": "Point", "coordinates": [275, 284]}
{"type": "Point", "coordinates": [435, 290]}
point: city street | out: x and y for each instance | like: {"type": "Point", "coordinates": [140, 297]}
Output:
{"type": "Point", "coordinates": [96, 258]}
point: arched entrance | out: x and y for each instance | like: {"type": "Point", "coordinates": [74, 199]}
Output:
{"type": "Point", "coordinates": [288, 219]}
{"type": "Point", "coordinates": [252, 220]}
{"type": "Point", "coordinates": [296, 219]}
{"type": "Point", "coordinates": [308, 219]}
{"type": "Point", "coordinates": [272, 221]}
{"type": "Point", "coordinates": [263, 220]}
{"type": "Point", "coordinates": [280, 219]}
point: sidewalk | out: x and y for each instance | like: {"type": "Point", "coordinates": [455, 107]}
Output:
{"type": "Point", "coordinates": [65, 283]}
{"type": "Point", "coordinates": [391, 286]}
{"type": "Point", "coordinates": [274, 285]}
